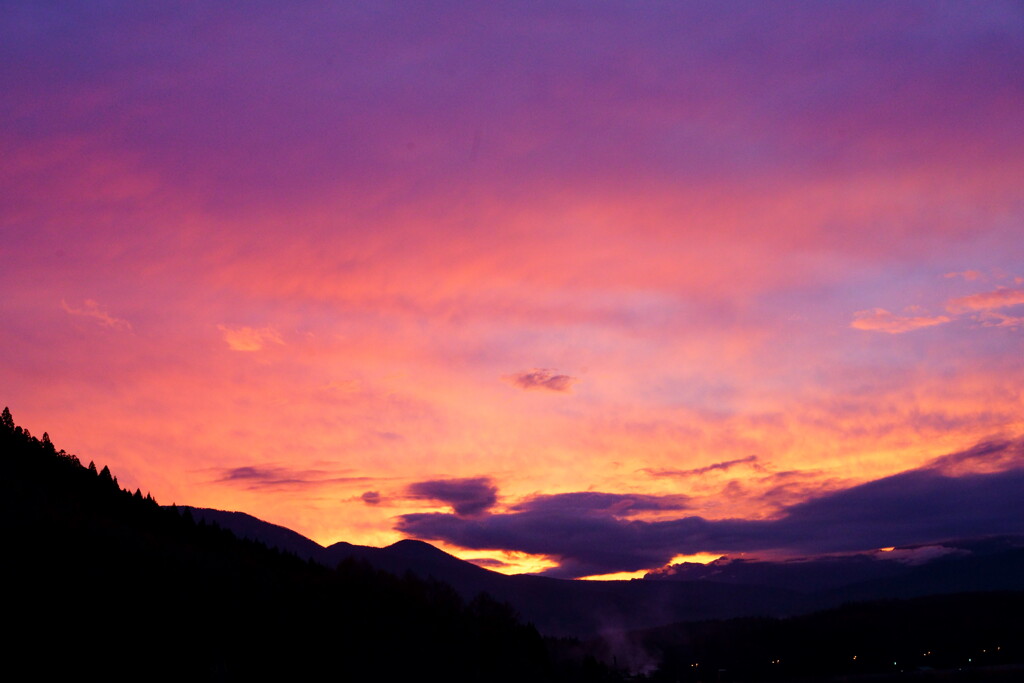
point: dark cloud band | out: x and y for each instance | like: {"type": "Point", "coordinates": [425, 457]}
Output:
{"type": "Point", "coordinates": [589, 534]}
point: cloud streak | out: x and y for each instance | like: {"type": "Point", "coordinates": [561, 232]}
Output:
{"type": "Point", "coordinates": [594, 502]}
{"type": "Point", "coordinates": [997, 319]}
{"type": "Point", "coordinates": [273, 477]}
{"type": "Point", "coordinates": [751, 460]}
{"type": "Point", "coordinates": [91, 309]}
{"type": "Point", "coordinates": [881, 320]}
{"type": "Point", "coordinates": [985, 301]}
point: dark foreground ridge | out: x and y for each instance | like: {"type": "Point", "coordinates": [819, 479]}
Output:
{"type": "Point", "coordinates": [105, 583]}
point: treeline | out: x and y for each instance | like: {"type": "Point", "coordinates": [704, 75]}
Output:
{"type": "Point", "coordinates": [102, 581]}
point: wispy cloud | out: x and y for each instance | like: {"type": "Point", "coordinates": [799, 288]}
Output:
{"type": "Point", "coordinates": [998, 298]}
{"type": "Point", "coordinates": [881, 320]}
{"type": "Point", "coordinates": [728, 464]}
{"type": "Point", "coordinates": [249, 338]}
{"type": "Point", "coordinates": [371, 497]}
{"type": "Point", "coordinates": [979, 307]}
{"type": "Point", "coordinates": [91, 309]}
{"type": "Point", "coordinates": [969, 275]}
{"type": "Point", "coordinates": [596, 502]}
{"type": "Point", "coordinates": [997, 319]}
{"type": "Point", "coordinates": [540, 378]}
{"type": "Point", "coordinates": [259, 477]}
{"type": "Point", "coordinates": [997, 455]}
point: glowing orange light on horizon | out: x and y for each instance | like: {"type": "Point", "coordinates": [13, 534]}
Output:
{"type": "Point", "coordinates": [698, 558]}
{"type": "Point", "coordinates": [617, 576]}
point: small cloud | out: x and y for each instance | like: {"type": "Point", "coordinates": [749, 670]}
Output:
{"type": "Point", "coordinates": [249, 338]}
{"type": "Point", "coordinates": [999, 298]}
{"type": "Point", "coordinates": [969, 275]}
{"type": "Point", "coordinates": [540, 378]}
{"type": "Point", "coordinates": [467, 497]}
{"type": "Point", "coordinates": [881, 320]}
{"type": "Point", "coordinates": [728, 464]}
{"type": "Point", "coordinates": [91, 309]}
{"type": "Point", "coordinates": [371, 497]}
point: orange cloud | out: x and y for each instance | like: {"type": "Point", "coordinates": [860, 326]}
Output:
{"type": "Point", "coordinates": [881, 320]}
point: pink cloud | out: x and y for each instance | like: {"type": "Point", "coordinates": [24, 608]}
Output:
{"type": "Point", "coordinates": [969, 275]}
{"type": "Point", "coordinates": [881, 320]}
{"type": "Point", "coordinates": [249, 338]}
{"type": "Point", "coordinates": [999, 298]}
{"type": "Point", "coordinates": [91, 309]}
{"type": "Point", "coordinates": [996, 319]}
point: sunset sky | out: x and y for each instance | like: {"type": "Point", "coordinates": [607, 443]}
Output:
{"type": "Point", "coordinates": [576, 286]}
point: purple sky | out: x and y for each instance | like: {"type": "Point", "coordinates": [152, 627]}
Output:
{"type": "Point", "coordinates": [438, 269]}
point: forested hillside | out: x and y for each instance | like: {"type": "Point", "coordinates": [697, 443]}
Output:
{"type": "Point", "coordinates": [105, 582]}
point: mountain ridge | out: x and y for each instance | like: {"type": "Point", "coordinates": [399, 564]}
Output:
{"type": "Point", "coordinates": [740, 588]}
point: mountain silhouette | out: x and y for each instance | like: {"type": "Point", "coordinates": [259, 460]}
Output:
{"type": "Point", "coordinates": [720, 590]}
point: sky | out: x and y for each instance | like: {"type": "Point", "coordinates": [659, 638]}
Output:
{"type": "Point", "coordinates": [573, 287]}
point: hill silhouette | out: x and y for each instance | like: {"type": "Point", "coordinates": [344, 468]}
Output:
{"type": "Point", "coordinates": [106, 583]}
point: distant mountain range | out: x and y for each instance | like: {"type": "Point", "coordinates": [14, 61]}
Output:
{"type": "Point", "coordinates": [687, 592]}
